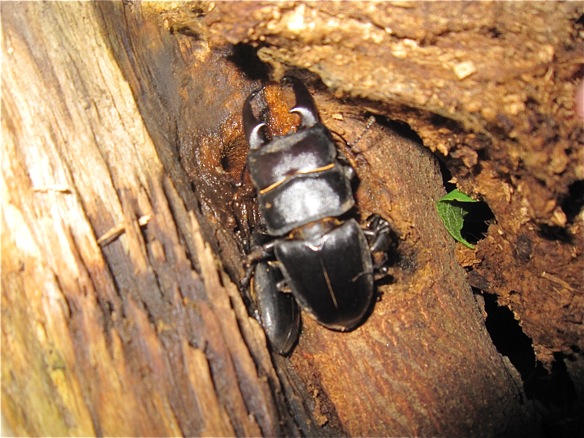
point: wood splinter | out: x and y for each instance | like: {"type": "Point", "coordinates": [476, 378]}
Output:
{"type": "Point", "coordinates": [115, 232]}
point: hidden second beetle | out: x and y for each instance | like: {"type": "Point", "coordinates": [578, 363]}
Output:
{"type": "Point", "coordinates": [317, 258]}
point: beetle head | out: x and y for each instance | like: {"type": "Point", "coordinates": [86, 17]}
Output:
{"type": "Point", "coordinates": [304, 106]}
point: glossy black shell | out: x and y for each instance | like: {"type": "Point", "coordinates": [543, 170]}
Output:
{"type": "Point", "coordinates": [278, 312]}
{"type": "Point", "coordinates": [299, 180]}
{"type": "Point", "coordinates": [331, 275]}
{"type": "Point", "coordinates": [303, 190]}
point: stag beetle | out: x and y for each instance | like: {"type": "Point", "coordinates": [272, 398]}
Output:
{"type": "Point", "coordinates": [324, 260]}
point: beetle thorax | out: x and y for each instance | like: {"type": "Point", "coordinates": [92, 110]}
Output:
{"type": "Point", "coordinates": [315, 230]}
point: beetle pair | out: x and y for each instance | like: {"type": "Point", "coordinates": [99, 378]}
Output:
{"type": "Point", "coordinates": [317, 259]}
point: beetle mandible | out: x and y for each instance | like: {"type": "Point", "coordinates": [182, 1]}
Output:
{"type": "Point", "coordinates": [318, 254]}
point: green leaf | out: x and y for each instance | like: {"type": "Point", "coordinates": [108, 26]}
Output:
{"type": "Point", "coordinates": [452, 209]}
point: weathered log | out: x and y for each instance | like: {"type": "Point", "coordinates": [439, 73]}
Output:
{"type": "Point", "coordinates": [491, 87]}
{"type": "Point", "coordinates": [123, 149]}
{"type": "Point", "coordinates": [115, 317]}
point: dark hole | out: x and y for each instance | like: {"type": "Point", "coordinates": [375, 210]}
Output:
{"type": "Point", "coordinates": [556, 400]}
{"type": "Point", "coordinates": [573, 203]}
{"type": "Point", "coordinates": [553, 393]}
{"type": "Point", "coordinates": [233, 157]}
{"type": "Point", "coordinates": [399, 126]}
{"type": "Point", "coordinates": [440, 121]}
{"type": "Point", "coordinates": [477, 221]}
{"type": "Point", "coordinates": [494, 32]}
{"type": "Point", "coordinates": [551, 232]}
{"type": "Point", "coordinates": [479, 215]}
{"type": "Point", "coordinates": [446, 177]}
{"type": "Point", "coordinates": [508, 336]}
{"type": "Point", "coordinates": [246, 58]}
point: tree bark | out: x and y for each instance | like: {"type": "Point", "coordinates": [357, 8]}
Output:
{"type": "Point", "coordinates": [123, 154]}
{"type": "Point", "coordinates": [490, 87]}
{"type": "Point", "coordinates": [115, 317]}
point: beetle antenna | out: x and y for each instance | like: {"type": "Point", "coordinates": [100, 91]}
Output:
{"type": "Point", "coordinates": [370, 122]}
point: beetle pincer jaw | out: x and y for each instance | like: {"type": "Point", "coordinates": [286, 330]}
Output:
{"type": "Point", "coordinates": [304, 106]}
{"type": "Point", "coordinates": [252, 126]}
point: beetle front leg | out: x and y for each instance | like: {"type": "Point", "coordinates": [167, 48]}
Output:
{"type": "Point", "coordinates": [378, 234]}
{"type": "Point", "coordinates": [256, 255]}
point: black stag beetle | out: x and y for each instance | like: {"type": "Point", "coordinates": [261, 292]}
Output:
{"type": "Point", "coordinates": [325, 261]}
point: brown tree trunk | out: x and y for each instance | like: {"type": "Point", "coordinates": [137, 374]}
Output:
{"type": "Point", "coordinates": [115, 318]}
{"type": "Point", "coordinates": [123, 153]}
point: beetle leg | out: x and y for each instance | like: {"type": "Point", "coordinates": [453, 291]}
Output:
{"type": "Point", "coordinates": [378, 234]}
{"type": "Point", "coordinates": [256, 255]}
{"type": "Point", "coordinates": [283, 287]}
{"type": "Point", "coordinates": [304, 106]}
{"type": "Point", "coordinates": [252, 126]}
{"type": "Point", "coordinates": [349, 171]}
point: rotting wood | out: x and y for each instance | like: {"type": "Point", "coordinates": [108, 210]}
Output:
{"type": "Point", "coordinates": [144, 335]}
{"type": "Point", "coordinates": [507, 128]}
{"type": "Point", "coordinates": [125, 338]}
{"type": "Point", "coordinates": [212, 151]}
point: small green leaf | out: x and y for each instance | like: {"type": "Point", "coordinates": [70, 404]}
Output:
{"type": "Point", "coordinates": [452, 210]}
